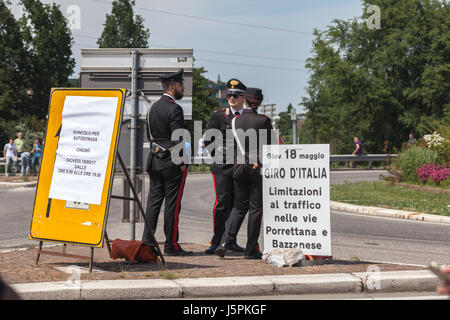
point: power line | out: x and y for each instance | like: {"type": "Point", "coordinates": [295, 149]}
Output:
{"type": "Point", "coordinates": [219, 52]}
{"type": "Point", "coordinates": [249, 56]}
{"type": "Point", "coordinates": [215, 20]}
{"type": "Point", "coordinates": [251, 65]}
{"type": "Point", "coordinates": [225, 62]}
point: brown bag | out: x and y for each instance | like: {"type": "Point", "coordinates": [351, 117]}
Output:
{"type": "Point", "coordinates": [132, 250]}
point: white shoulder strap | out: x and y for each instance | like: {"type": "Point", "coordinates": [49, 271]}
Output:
{"type": "Point", "coordinates": [149, 129]}
{"type": "Point", "coordinates": [238, 142]}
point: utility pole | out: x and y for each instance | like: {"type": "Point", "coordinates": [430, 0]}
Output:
{"type": "Point", "coordinates": [133, 136]}
{"type": "Point", "coordinates": [294, 125]}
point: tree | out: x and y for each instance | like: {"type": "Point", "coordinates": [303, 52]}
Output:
{"type": "Point", "coordinates": [13, 58]}
{"type": "Point", "coordinates": [379, 84]}
{"type": "Point", "coordinates": [203, 105]}
{"type": "Point", "coordinates": [284, 124]}
{"type": "Point", "coordinates": [122, 29]}
{"type": "Point", "coordinates": [48, 40]}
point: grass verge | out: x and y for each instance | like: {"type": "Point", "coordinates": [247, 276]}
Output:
{"type": "Point", "coordinates": [381, 194]}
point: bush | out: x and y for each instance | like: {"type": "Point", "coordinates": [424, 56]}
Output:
{"type": "Point", "coordinates": [411, 159]}
{"type": "Point", "coordinates": [436, 173]}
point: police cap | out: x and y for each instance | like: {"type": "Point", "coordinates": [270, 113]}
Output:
{"type": "Point", "coordinates": [253, 96]}
{"type": "Point", "coordinates": [236, 86]}
{"type": "Point", "coordinates": [174, 76]}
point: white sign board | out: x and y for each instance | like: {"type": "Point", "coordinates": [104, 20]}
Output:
{"type": "Point", "coordinates": [83, 148]}
{"type": "Point", "coordinates": [296, 198]}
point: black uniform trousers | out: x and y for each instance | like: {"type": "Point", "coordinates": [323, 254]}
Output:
{"type": "Point", "coordinates": [224, 191]}
{"type": "Point", "coordinates": [165, 184]}
{"type": "Point", "coordinates": [248, 198]}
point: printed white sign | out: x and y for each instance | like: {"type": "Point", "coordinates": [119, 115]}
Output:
{"type": "Point", "coordinates": [83, 148]}
{"type": "Point", "coordinates": [296, 198]}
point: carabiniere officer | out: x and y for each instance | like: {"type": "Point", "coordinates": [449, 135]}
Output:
{"type": "Point", "coordinates": [166, 179]}
{"type": "Point", "coordinates": [222, 174]}
{"type": "Point", "coordinates": [249, 189]}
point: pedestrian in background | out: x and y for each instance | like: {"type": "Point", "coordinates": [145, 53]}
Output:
{"type": "Point", "coordinates": [20, 144]}
{"type": "Point", "coordinates": [358, 150]}
{"type": "Point", "coordinates": [37, 151]}
{"type": "Point", "coordinates": [201, 147]}
{"type": "Point", "coordinates": [411, 140]}
{"type": "Point", "coordinates": [222, 174]}
{"type": "Point", "coordinates": [248, 185]}
{"type": "Point", "coordinates": [10, 155]}
{"type": "Point", "coordinates": [25, 159]}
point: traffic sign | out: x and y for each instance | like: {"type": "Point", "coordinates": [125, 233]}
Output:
{"type": "Point", "coordinates": [296, 198]}
{"type": "Point", "coordinates": [76, 174]}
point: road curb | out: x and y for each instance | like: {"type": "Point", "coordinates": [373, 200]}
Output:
{"type": "Point", "coordinates": [13, 185]}
{"type": "Point", "coordinates": [390, 213]}
{"type": "Point", "coordinates": [396, 281]}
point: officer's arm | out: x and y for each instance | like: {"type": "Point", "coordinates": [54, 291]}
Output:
{"type": "Point", "coordinates": [213, 124]}
{"type": "Point", "coordinates": [176, 121]}
{"type": "Point", "coordinates": [148, 126]}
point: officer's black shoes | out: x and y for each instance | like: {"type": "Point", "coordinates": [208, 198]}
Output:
{"type": "Point", "coordinates": [220, 251]}
{"type": "Point", "coordinates": [234, 247]}
{"type": "Point", "coordinates": [212, 249]}
{"type": "Point", "coordinates": [179, 252]}
{"type": "Point", "coordinates": [256, 256]}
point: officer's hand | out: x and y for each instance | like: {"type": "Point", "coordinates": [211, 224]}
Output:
{"type": "Point", "coordinates": [183, 168]}
{"type": "Point", "coordinates": [255, 165]}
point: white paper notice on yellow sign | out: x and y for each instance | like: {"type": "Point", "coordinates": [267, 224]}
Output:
{"type": "Point", "coordinates": [83, 148]}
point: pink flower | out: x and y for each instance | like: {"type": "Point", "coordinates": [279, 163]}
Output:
{"type": "Point", "coordinates": [437, 173]}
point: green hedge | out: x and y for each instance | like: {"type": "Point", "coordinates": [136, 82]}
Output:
{"type": "Point", "coordinates": [411, 159]}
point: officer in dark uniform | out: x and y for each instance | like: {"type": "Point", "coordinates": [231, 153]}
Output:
{"type": "Point", "coordinates": [223, 173]}
{"type": "Point", "coordinates": [249, 190]}
{"type": "Point", "coordinates": [166, 179]}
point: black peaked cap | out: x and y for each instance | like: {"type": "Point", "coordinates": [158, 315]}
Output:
{"type": "Point", "coordinates": [235, 84]}
{"type": "Point", "coordinates": [254, 95]}
{"type": "Point", "coordinates": [174, 76]}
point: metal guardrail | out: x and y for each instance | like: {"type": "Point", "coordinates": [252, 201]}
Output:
{"type": "Point", "coordinates": [333, 158]}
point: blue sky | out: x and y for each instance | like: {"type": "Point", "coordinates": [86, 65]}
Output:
{"type": "Point", "coordinates": [283, 77]}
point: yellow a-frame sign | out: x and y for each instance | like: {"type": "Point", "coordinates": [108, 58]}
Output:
{"type": "Point", "coordinates": [75, 179]}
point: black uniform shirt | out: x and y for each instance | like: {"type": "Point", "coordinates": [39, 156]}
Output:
{"type": "Point", "coordinates": [164, 117]}
{"type": "Point", "coordinates": [250, 119]}
{"type": "Point", "coordinates": [221, 120]}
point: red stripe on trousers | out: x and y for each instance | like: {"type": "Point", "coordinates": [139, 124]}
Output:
{"type": "Point", "coordinates": [215, 204]}
{"type": "Point", "coordinates": [177, 211]}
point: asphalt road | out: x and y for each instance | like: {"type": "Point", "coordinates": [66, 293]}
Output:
{"type": "Point", "coordinates": [353, 236]}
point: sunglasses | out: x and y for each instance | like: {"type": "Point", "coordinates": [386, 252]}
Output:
{"type": "Point", "coordinates": [234, 95]}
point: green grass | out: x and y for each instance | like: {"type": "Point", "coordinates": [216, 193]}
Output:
{"type": "Point", "coordinates": [381, 194]}
{"type": "Point", "coordinates": [199, 168]}
{"type": "Point", "coordinates": [168, 275]}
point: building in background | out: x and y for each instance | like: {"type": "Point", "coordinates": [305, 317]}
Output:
{"type": "Point", "coordinates": [270, 110]}
{"type": "Point", "coordinates": [218, 90]}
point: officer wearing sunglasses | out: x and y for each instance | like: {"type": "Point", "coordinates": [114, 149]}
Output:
{"type": "Point", "coordinates": [222, 174]}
